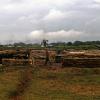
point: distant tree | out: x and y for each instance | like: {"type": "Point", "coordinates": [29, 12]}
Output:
{"type": "Point", "coordinates": [78, 43]}
{"type": "Point", "coordinates": [69, 43]}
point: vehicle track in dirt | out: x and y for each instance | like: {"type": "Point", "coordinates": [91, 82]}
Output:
{"type": "Point", "coordinates": [24, 83]}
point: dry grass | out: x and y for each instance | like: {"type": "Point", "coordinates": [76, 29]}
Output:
{"type": "Point", "coordinates": [8, 82]}
{"type": "Point", "coordinates": [54, 84]}
{"type": "Point", "coordinates": [64, 84]}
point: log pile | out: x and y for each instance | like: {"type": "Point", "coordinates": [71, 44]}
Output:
{"type": "Point", "coordinates": [15, 57]}
{"type": "Point", "coordinates": [9, 62]}
{"type": "Point", "coordinates": [81, 62]}
{"type": "Point", "coordinates": [81, 59]}
{"type": "Point", "coordinates": [82, 56]}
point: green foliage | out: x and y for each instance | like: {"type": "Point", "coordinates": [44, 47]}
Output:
{"type": "Point", "coordinates": [78, 45]}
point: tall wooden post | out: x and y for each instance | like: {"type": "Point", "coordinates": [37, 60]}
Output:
{"type": "Point", "coordinates": [45, 45]}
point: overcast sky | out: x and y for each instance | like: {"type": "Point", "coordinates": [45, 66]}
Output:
{"type": "Point", "coordinates": [55, 20]}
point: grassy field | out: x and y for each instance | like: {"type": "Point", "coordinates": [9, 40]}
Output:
{"type": "Point", "coordinates": [54, 84]}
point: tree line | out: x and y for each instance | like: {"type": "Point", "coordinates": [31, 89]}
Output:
{"type": "Point", "coordinates": [57, 45]}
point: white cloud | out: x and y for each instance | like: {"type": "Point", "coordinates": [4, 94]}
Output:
{"type": "Point", "coordinates": [36, 35]}
{"type": "Point", "coordinates": [55, 15]}
{"type": "Point", "coordinates": [20, 6]}
{"type": "Point", "coordinates": [91, 22]}
{"type": "Point", "coordinates": [55, 2]}
{"type": "Point", "coordinates": [98, 1]}
{"type": "Point", "coordinates": [11, 38]}
{"type": "Point", "coordinates": [61, 35]}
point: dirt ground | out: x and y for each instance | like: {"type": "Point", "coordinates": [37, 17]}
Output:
{"type": "Point", "coordinates": [50, 83]}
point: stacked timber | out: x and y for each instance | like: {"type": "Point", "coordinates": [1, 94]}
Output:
{"type": "Point", "coordinates": [15, 57]}
{"type": "Point", "coordinates": [81, 62]}
{"type": "Point", "coordinates": [81, 59]}
{"type": "Point", "coordinates": [16, 62]}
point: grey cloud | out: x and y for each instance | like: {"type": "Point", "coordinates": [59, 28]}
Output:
{"type": "Point", "coordinates": [18, 18]}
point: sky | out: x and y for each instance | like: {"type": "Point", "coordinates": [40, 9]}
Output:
{"type": "Point", "coordinates": [55, 20]}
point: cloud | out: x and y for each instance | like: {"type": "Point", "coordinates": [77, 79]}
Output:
{"type": "Point", "coordinates": [55, 15]}
{"type": "Point", "coordinates": [61, 35]}
{"type": "Point", "coordinates": [39, 35]}
{"type": "Point", "coordinates": [11, 38]}
{"type": "Point", "coordinates": [98, 1]}
{"type": "Point", "coordinates": [55, 20]}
